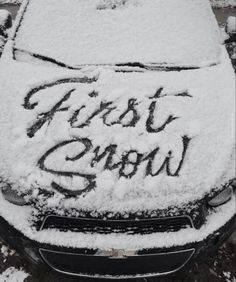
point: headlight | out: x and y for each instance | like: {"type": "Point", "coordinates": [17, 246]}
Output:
{"type": "Point", "coordinates": [12, 197]}
{"type": "Point", "coordinates": [222, 198]}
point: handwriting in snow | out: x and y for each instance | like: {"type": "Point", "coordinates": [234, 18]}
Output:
{"type": "Point", "coordinates": [82, 117]}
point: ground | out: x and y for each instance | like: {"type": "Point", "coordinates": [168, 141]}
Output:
{"type": "Point", "coordinates": [219, 267]}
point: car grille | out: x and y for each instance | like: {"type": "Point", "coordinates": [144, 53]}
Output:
{"type": "Point", "coordinates": [106, 226]}
{"type": "Point", "coordinates": [110, 267]}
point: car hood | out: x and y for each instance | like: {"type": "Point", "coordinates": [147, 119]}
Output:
{"type": "Point", "coordinates": [107, 139]}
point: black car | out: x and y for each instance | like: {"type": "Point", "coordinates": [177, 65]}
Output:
{"type": "Point", "coordinates": [117, 140]}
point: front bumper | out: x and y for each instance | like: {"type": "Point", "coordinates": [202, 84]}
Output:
{"type": "Point", "coordinates": [96, 263]}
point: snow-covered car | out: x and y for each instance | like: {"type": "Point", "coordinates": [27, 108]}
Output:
{"type": "Point", "coordinates": [117, 141]}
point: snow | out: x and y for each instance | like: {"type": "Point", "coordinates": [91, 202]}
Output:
{"type": "Point", "coordinates": [117, 32]}
{"type": "Point", "coordinates": [13, 275]}
{"type": "Point", "coordinates": [3, 16]}
{"type": "Point", "coordinates": [21, 218]}
{"type": "Point", "coordinates": [2, 43]}
{"type": "Point", "coordinates": [4, 251]}
{"type": "Point", "coordinates": [195, 117]}
{"type": "Point", "coordinates": [174, 145]}
{"type": "Point", "coordinates": [10, 1]}
{"type": "Point", "coordinates": [200, 118]}
{"type": "Point", "coordinates": [231, 25]}
{"type": "Point", "coordinates": [223, 3]}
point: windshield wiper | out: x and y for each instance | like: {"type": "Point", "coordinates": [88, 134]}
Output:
{"type": "Point", "coordinates": [156, 67]}
{"type": "Point", "coordinates": [22, 55]}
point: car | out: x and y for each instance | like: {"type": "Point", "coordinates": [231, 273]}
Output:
{"type": "Point", "coordinates": [117, 137]}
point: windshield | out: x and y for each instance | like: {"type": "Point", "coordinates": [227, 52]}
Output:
{"type": "Point", "coordinates": [154, 33]}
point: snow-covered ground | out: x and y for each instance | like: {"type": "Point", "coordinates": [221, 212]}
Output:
{"type": "Point", "coordinates": [215, 3]}
{"type": "Point", "coordinates": [13, 275]}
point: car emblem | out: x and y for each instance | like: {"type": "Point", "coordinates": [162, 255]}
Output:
{"type": "Point", "coordinates": [116, 253]}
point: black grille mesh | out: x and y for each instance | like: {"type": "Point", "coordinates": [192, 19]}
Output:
{"type": "Point", "coordinates": [106, 226]}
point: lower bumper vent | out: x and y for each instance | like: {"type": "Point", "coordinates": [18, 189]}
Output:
{"type": "Point", "coordinates": [126, 267]}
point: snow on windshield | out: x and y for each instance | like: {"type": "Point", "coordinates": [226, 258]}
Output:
{"type": "Point", "coordinates": [162, 32]}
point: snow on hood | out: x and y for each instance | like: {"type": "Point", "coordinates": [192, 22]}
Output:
{"type": "Point", "coordinates": [162, 32]}
{"type": "Point", "coordinates": [116, 141]}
